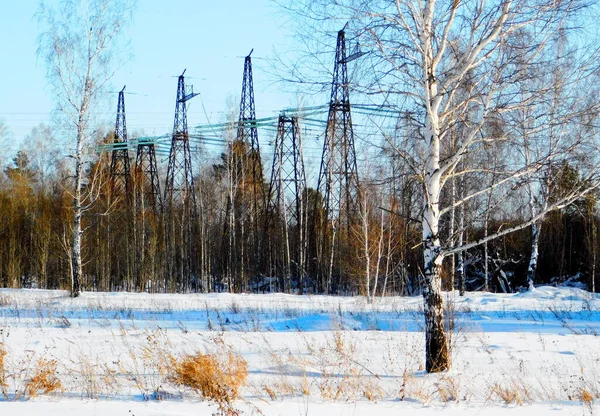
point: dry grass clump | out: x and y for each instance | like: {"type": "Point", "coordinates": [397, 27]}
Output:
{"type": "Point", "coordinates": [515, 393]}
{"type": "Point", "coordinates": [585, 396]}
{"type": "Point", "coordinates": [270, 392]}
{"type": "Point", "coordinates": [448, 389]}
{"type": "Point", "coordinates": [44, 379]}
{"type": "Point", "coordinates": [3, 383]}
{"type": "Point", "coordinates": [587, 399]}
{"type": "Point", "coordinates": [216, 378]}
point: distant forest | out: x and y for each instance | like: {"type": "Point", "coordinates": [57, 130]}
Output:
{"type": "Point", "coordinates": [130, 247]}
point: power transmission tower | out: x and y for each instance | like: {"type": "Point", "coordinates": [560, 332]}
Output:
{"type": "Point", "coordinates": [147, 219]}
{"type": "Point", "coordinates": [286, 209]}
{"type": "Point", "coordinates": [119, 164]}
{"type": "Point", "coordinates": [180, 212]}
{"type": "Point", "coordinates": [246, 129]}
{"type": "Point", "coordinates": [338, 177]}
{"type": "Point", "coordinates": [147, 182]}
{"type": "Point", "coordinates": [117, 225]}
{"type": "Point", "coordinates": [247, 201]}
{"type": "Point", "coordinates": [179, 187]}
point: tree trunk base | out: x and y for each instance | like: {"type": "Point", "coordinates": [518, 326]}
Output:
{"type": "Point", "coordinates": [437, 357]}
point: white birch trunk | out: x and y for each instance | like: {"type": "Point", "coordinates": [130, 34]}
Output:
{"type": "Point", "coordinates": [365, 232]}
{"type": "Point", "coordinates": [436, 344]}
{"type": "Point", "coordinates": [76, 266]}
{"type": "Point", "coordinates": [593, 272]}
{"type": "Point", "coordinates": [486, 271]}
{"type": "Point", "coordinates": [461, 255]}
{"type": "Point", "coordinates": [379, 251]}
{"type": "Point", "coordinates": [533, 259]}
{"type": "Point", "coordinates": [388, 258]}
{"type": "Point", "coordinates": [452, 231]}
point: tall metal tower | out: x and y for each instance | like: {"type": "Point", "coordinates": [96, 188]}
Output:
{"type": "Point", "coordinates": [179, 187]}
{"type": "Point", "coordinates": [241, 237]}
{"type": "Point", "coordinates": [119, 164]}
{"type": "Point", "coordinates": [247, 135]}
{"type": "Point", "coordinates": [180, 211]}
{"type": "Point", "coordinates": [338, 176]}
{"type": "Point", "coordinates": [286, 202]}
{"type": "Point", "coordinates": [147, 218]}
{"type": "Point", "coordinates": [147, 182]}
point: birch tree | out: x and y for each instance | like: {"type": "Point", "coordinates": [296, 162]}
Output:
{"type": "Point", "coordinates": [463, 65]}
{"type": "Point", "coordinates": [40, 144]}
{"type": "Point", "coordinates": [79, 44]}
{"type": "Point", "coordinates": [5, 136]}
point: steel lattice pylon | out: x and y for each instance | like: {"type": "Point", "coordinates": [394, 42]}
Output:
{"type": "Point", "coordinates": [147, 183]}
{"type": "Point", "coordinates": [119, 163]}
{"type": "Point", "coordinates": [247, 138]}
{"type": "Point", "coordinates": [287, 176]}
{"type": "Point", "coordinates": [246, 130]}
{"type": "Point", "coordinates": [246, 203]}
{"type": "Point", "coordinates": [179, 205]}
{"type": "Point", "coordinates": [179, 186]}
{"type": "Point", "coordinates": [286, 200]}
{"type": "Point", "coordinates": [338, 177]}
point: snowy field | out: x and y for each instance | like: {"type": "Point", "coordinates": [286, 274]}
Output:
{"type": "Point", "coordinates": [519, 354]}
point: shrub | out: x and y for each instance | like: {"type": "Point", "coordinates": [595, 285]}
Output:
{"type": "Point", "coordinates": [44, 379]}
{"type": "Point", "coordinates": [217, 379]}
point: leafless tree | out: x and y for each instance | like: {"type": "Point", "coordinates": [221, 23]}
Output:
{"type": "Point", "coordinates": [43, 150]}
{"type": "Point", "coordinates": [79, 42]}
{"type": "Point", "coordinates": [5, 135]}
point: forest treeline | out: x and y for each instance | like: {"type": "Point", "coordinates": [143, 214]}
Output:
{"type": "Point", "coordinates": [224, 245]}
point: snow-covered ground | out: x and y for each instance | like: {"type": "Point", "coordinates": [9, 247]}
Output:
{"type": "Point", "coordinates": [306, 355]}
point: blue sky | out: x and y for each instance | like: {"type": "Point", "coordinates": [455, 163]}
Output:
{"type": "Point", "coordinates": [208, 38]}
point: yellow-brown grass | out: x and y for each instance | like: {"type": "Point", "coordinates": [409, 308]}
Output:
{"type": "Point", "coordinates": [3, 383]}
{"type": "Point", "coordinates": [270, 392]}
{"type": "Point", "coordinates": [513, 393]}
{"type": "Point", "coordinates": [216, 379]}
{"type": "Point", "coordinates": [44, 379]}
{"type": "Point", "coordinates": [585, 396]}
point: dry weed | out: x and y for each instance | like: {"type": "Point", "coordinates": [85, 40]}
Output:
{"type": "Point", "coordinates": [85, 373]}
{"type": "Point", "coordinates": [157, 360]}
{"type": "Point", "coordinates": [372, 391]}
{"type": "Point", "coordinates": [305, 385]}
{"type": "Point", "coordinates": [515, 392]}
{"type": "Point", "coordinates": [149, 365]}
{"type": "Point", "coordinates": [449, 389]}
{"type": "Point", "coordinates": [587, 399]}
{"type": "Point", "coordinates": [270, 392]}
{"type": "Point", "coordinates": [342, 376]}
{"type": "Point", "coordinates": [44, 380]}
{"type": "Point", "coordinates": [216, 378]}
{"type": "Point", "coordinates": [406, 378]}
{"type": "Point", "coordinates": [283, 359]}
{"type": "Point", "coordinates": [585, 396]}
{"type": "Point", "coordinates": [3, 382]}
{"type": "Point", "coordinates": [339, 342]}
